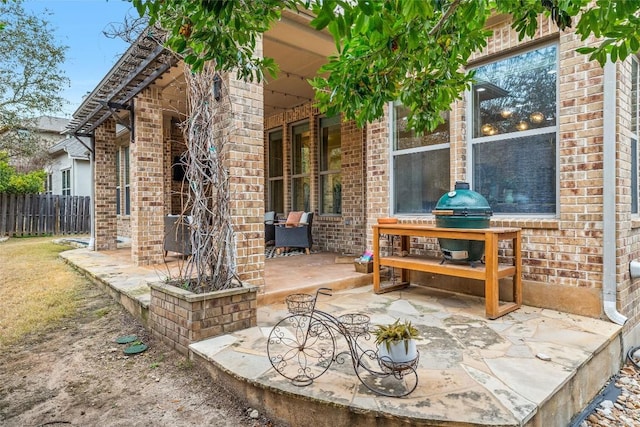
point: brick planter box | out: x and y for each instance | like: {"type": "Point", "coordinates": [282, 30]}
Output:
{"type": "Point", "coordinates": [179, 317]}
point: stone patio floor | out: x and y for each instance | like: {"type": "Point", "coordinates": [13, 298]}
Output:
{"type": "Point", "coordinates": [533, 367]}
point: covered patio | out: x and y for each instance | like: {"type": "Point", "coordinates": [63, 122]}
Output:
{"type": "Point", "coordinates": [128, 283]}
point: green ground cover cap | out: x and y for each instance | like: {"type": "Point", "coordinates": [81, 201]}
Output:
{"type": "Point", "coordinates": [134, 349]}
{"type": "Point", "coordinates": [125, 339]}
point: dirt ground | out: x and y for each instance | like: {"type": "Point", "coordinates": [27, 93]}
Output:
{"type": "Point", "coordinates": [76, 374]}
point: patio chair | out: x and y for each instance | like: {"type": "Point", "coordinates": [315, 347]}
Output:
{"type": "Point", "coordinates": [177, 237]}
{"type": "Point", "coordinates": [295, 234]}
{"type": "Point", "coordinates": [269, 227]}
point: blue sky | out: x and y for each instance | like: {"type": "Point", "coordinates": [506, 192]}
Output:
{"type": "Point", "coordinates": [78, 24]}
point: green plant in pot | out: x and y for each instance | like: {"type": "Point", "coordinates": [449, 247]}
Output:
{"type": "Point", "coordinates": [397, 341]}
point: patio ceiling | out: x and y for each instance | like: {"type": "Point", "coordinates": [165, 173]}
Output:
{"type": "Point", "coordinates": [296, 47]}
{"type": "Point", "coordinates": [299, 52]}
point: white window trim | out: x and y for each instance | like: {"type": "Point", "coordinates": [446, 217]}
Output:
{"type": "Point", "coordinates": [270, 179]}
{"type": "Point", "coordinates": [63, 188]}
{"type": "Point", "coordinates": [293, 176]}
{"type": "Point", "coordinates": [635, 135]}
{"type": "Point", "coordinates": [393, 153]}
{"type": "Point", "coordinates": [322, 173]}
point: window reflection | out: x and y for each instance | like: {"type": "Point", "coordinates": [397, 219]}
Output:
{"type": "Point", "coordinates": [515, 94]}
{"type": "Point", "coordinates": [514, 132]}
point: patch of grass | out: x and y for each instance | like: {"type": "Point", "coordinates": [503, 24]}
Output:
{"type": "Point", "coordinates": [101, 312]}
{"type": "Point", "coordinates": [185, 364]}
{"type": "Point", "coordinates": [159, 360]}
{"type": "Point", "coordinates": [37, 289]}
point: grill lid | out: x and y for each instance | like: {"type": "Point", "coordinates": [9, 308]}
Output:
{"type": "Point", "coordinates": [462, 202]}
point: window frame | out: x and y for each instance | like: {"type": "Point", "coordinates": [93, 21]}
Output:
{"type": "Point", "coordinates": [49, 184]}
{"type": "Point", "coordinates": [328, 172]}
{"type": "Point", "coordinates": [65, 189]}
{"type": "Point", "coordinates": [634, 127]}
{"type": "Point", "coordinates": [303, 175]}
{"type": "Point", "coordinates": [271, 180]}
{"type": "Point", "coordinates": [118, 186]}
{"type": "Point", "coordinates": [549, 130]}
{"type": "Point", "coordinates": [127, 180]}
{"type": "Point", "coordinates": [393, 153]}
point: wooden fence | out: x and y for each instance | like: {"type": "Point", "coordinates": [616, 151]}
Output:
{"type": "Point", "coordinates": [42, 214]}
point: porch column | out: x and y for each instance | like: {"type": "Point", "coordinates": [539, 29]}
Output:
{"type": "Point", "coordinates": [104, 178]}
{"type": "Point", "coordinates": [244, 158]}
{"type": "Point", "coordinates": [378, 175]}
{"type": "Point", "coordinates": [147, 180]}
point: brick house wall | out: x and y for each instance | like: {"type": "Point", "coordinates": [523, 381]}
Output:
{"type": "Point", "coordinates": [174, 149]}
{"type": "Point", "coordinates": [628, 224]}
{"type": "Point", "coordinates": [147, 179]}
{"type": "Point", "coordinates": [562, 256]}
{"type": "Point", "coordinates": [343, 233]}
{"type": "Point", "coordinates": [105, 221]}
{"type": "Point", "coordinates": [243, 158]}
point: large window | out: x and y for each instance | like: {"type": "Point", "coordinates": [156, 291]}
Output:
{"type": "Point", "coordinates": [66, 182]}
{"type": "Point", "coordinates": [330, 166]}
{"type": "Point", "coordinates": [420, 165]}
{"type": "Point", "coordinates": [127, 187]}
{"type": "Point", "coordinates": [49, 184]}
{"type": "Point", "coordinates": [513, 132]}
{"type": "Point", "coordinates": [275, 185]}
{"type": "Point", "coordinates": [122, 181]}
{"type": "Point", "coordinates": [118, 187]}
{"type": "Point", "coordinates": [635, 111]}
{"type": "Point", "coordinates": [300, 167]}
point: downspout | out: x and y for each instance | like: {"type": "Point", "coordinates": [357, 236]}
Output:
{"type": "Point", "coordinates": [609, 285]}
{"type": "Point", "coordinates": [92, 205]}
{"type": "Point", "coordinates": [92, 160]}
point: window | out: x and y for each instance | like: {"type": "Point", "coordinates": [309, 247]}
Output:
{"type": "Point", "coordinates": [635, 82]}
{"type": "Point", "coordinates": [513, 132]}
{"type": "Point", "coordinates": [118, 192]}
{"type": "Point", "coordinates": [122, 180]}
{"type": "Point", "coordinates": [127, 187]}
{"type": "Point", "coordinates": [66, 182]}
{"type": "Point", "coordinates": [330, 166]}
{"type": "Point", "coordinates": [300, 167]}
{"type": "Point", "coordinates": [275, 183]}
{"type": "Point", "coordinates": [49, 184]}
{"type": "Point", "coordinates": [420, 165]}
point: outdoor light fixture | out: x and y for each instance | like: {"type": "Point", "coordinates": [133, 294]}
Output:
{"type": "Point", "coordinates": [522, 125]}
{"type": "Point", "coordinates": [217, 87]}
{"type": "Point", "coordinates": [537, 117]}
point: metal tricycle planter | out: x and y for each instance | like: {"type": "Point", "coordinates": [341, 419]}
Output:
{"type": "Point", "coordinates": [302, 347]}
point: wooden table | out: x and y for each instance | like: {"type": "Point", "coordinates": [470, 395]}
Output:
{"type": "Point", "coordinates": [490, 272]}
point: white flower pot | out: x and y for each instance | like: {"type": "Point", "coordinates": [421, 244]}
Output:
{"type": "Point", "coordinates": [397, 352]}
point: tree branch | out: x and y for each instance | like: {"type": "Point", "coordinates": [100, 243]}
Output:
{"type": "Point", "coordinates": [436, 28]}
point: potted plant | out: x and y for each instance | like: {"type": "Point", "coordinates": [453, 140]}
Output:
{"type": "Point", "coordinates": [396, 342]}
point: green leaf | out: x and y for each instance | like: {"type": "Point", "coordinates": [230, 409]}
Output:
{"type": "Point", "coordinates": [321, 21]}
{"type": "Point", "coordinates": [634, 44]}
{"type": "Point", "coordinates": [366, 6]}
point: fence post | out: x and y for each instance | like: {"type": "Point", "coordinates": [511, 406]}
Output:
{"type": "Point", "coordinates": [4, 214]}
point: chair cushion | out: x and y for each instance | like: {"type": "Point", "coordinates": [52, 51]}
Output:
{"type": "Point", "coordinates": [269, 217]}
{"type": "Point", "coordinates": [304, 218]}
{"type": "Point", "coordinates": [294, 218]}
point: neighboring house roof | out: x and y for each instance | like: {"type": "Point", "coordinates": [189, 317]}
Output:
{"type": "Point", "coordinates": [72, 147]}
{"type": "Point", "coordinates": [50, 124]}
{"type": "Point", "coordinates": [144, 61]}
{"type": "Point", "coordinates": [42, 124]}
